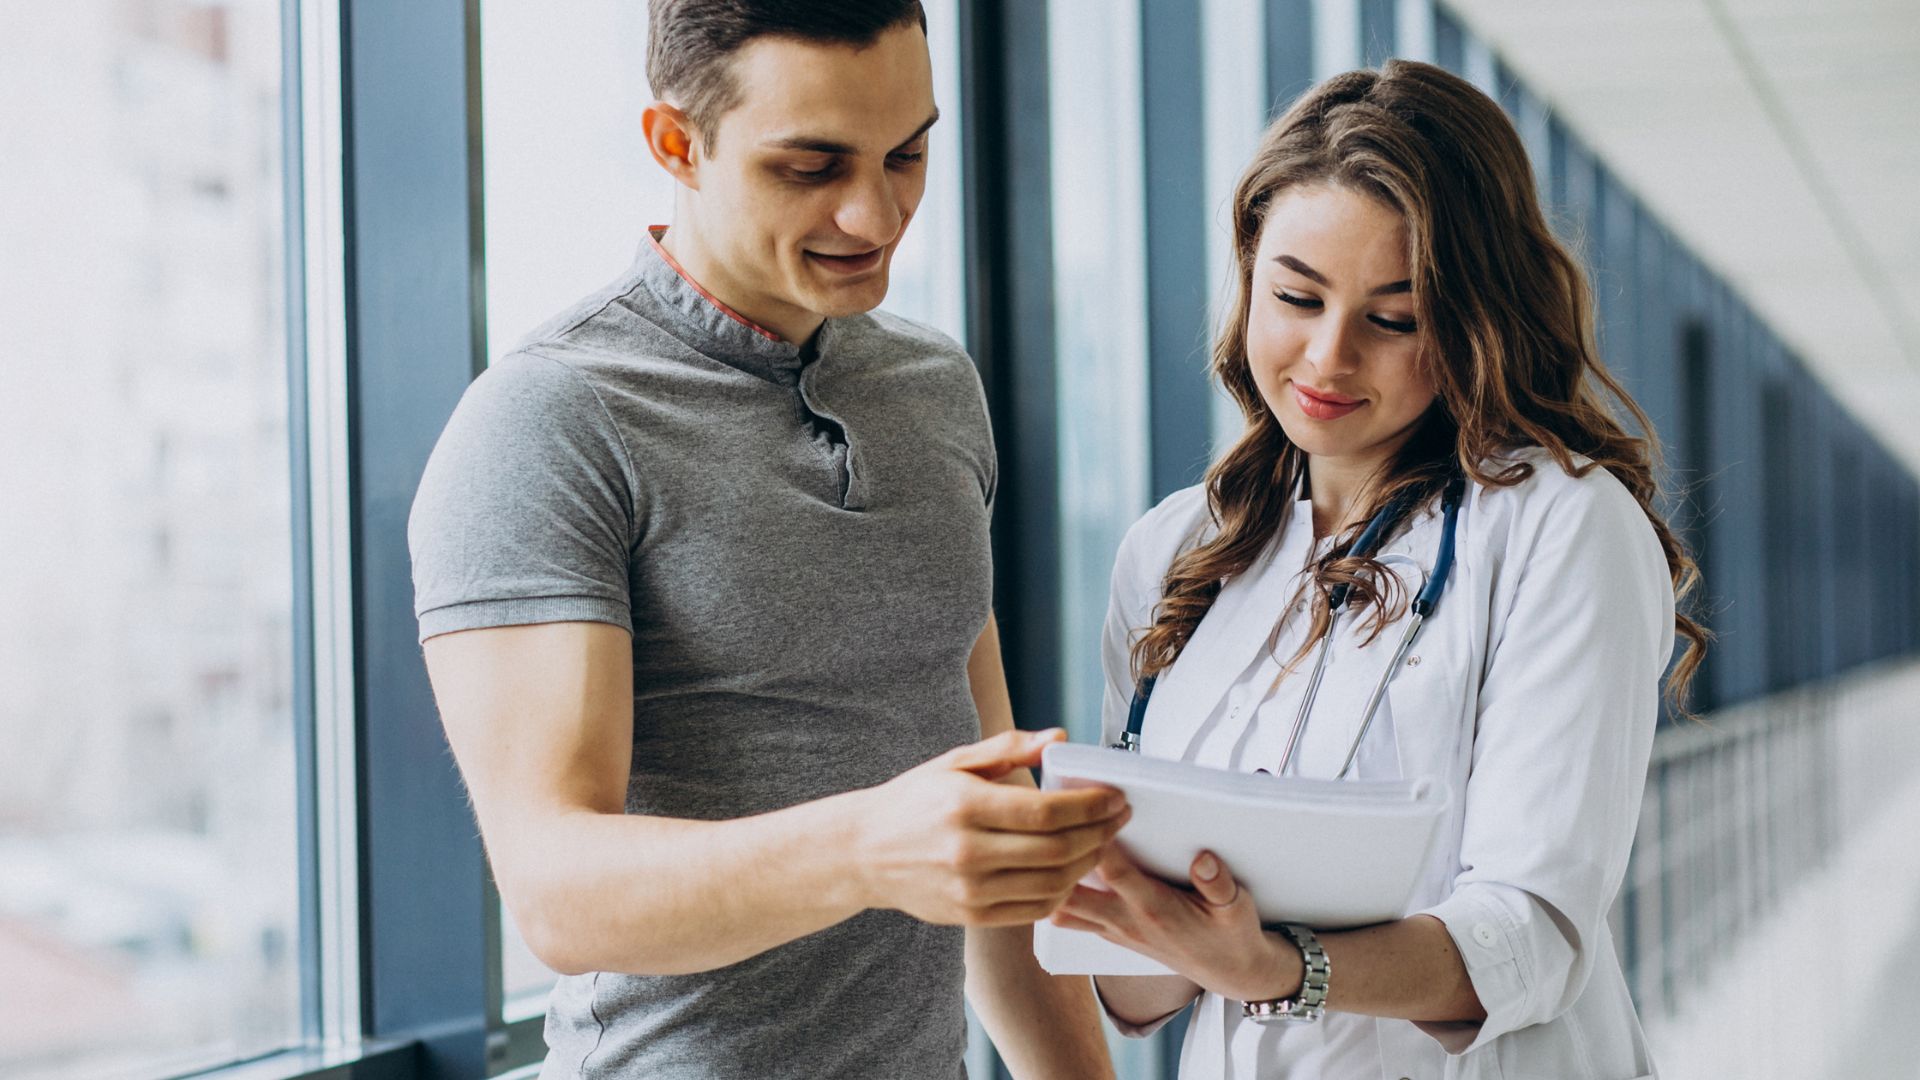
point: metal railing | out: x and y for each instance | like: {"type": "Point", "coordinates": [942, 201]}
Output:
{"type": "Point", "coordinates": [1743, 806]}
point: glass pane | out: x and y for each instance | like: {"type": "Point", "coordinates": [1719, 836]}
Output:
{"type": "Point", "coordinates": [570, 189]}
{"type": "Point", "coordinates": [1099, 254]}
{"type": "Point", "coordinates": [1236, 96]}
{"type": "Point", "coordinates": [148, 875]}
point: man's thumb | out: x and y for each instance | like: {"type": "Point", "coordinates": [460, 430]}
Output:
{"type": "Point", "coordinates": [994, 758]}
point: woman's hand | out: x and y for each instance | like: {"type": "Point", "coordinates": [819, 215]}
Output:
{"type": "Point", "coordinates": [1210, 933]}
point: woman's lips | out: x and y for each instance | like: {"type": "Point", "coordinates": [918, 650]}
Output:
{"type": "Point", "coordinates": [1324, 406]}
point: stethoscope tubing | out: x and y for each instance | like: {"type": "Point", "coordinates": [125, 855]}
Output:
{"type": "Point", "coordinates": [1423, 606]}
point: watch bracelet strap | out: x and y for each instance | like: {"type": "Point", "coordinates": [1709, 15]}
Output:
{"type": "Point", "coordinates": [1310, 1003]}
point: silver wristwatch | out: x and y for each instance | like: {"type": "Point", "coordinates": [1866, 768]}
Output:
{"type": "Point", "coordinates": [1310, 1003]}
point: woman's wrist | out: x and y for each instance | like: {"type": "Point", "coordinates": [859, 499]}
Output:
{"type": "Point", "coordinates": [1278, 970]}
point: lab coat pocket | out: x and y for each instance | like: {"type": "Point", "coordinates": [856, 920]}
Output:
{"type": "Point", "coordinates": [1427, 699]}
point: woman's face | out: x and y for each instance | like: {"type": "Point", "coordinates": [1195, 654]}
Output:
{"type": "Point", "coordinates": [1331, 335]}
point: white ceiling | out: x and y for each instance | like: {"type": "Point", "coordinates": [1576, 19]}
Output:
{"type": "Point", "coordinates": [1780, 139]}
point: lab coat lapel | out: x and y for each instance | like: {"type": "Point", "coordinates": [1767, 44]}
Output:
{"type": "Point", "coordinates": [1226, 641]}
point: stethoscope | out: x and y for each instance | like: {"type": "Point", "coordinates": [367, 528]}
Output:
{"type": "Point", "coordinates": [1423, 606]}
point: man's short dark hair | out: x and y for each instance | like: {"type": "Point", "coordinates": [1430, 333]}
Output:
{"type": "Point", "coordinates": [690, 43]}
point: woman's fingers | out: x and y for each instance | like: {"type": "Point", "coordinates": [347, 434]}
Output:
{"type": "Point", "coordinates": [1212, 880]}
{"type": "Point", "coordinates": [1125, 877]}
{"type": "Point", "coordinates": [1094, 905]}
{"type": "Point", "coordinates": [1065, 921]}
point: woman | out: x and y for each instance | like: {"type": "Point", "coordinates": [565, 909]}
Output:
{"type": "Point", "coordinates": [1414, 352]}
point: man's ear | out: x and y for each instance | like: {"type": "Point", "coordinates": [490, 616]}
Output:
{"type": "Point", "coordinates": [673, 142]}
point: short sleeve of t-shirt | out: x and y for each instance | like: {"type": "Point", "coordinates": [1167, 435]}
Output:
{"type": "Point", "coordinates": [525, 512]}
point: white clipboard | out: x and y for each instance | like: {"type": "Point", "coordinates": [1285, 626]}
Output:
{"type": "Point", "coordinates": [1332, 854]}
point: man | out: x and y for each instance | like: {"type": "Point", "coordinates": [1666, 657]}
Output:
{"type": "Point", "coordinates": [702, 574]}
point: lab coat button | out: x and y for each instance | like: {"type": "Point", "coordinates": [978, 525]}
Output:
{"type": "Point", "coordinates": [1484, 934]}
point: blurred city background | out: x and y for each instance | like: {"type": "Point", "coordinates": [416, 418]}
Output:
{"type": "Point", "coordinates": [187, 800]}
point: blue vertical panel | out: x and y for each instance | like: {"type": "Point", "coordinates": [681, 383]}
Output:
{"type": "Point", "coordinates": [410, 78]}
{"type": "Point", "coordinates": [1657, 335]}
{"type": "Point", "coordinates": [1823, 569]}
{"type": "Point", "coordinates": [1554, 194]}
{"type": "Point", "coordinates": [1378, 31]}
{"type": "Point", "coordinates": [1781, 444]}
{"type": "Point", "coordinates": [1849, 508]}
{"type": "Point", "coordinates": [1739, 491]}
{"type": "Point", "coordinates": [1179, 399]}
{"type": "Point", "coordinates": [1010, 330]}
{"type": "Point", "coordinates": [1289, 51]}
{"type": "Point", "coordinates": [1449, 42]}
{"type": "Point", "coordinates": [1578, 200]}
{"type": "Point", "coordinates": [1507, 90]}
{"type": "Point", "coordinates": [1693, 448]}
{"type": "Point", "coordinates": [1614, 253]}
{"type": "Point", "coordinates": [1907, 559]}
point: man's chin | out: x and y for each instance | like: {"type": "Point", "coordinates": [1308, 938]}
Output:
{"type": "Point", "coordinates": [848, 298]}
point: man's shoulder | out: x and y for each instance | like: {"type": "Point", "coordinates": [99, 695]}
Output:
{"type": "Point", "coordinates": [896, 340]}
{"type": "Point", "coordinates": [910, 333]}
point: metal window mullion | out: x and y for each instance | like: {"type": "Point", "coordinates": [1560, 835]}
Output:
{"type": "Point", "coordinates": [1172, 93]}
{"type": "Point", "coordinates": [325, 738]}
{"type": "Point", "coordinates": [1010, 329]}
{"type": "Point", "coordinates": [414, 316]}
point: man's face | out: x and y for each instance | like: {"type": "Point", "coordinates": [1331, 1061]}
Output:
{"type": "Point", "coordinates": [816, 172]}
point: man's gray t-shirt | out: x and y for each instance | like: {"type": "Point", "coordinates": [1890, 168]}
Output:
{"type": "Point", "coordinates": [799, 543]}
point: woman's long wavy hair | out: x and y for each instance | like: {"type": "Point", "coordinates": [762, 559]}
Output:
{"type": "Point", "coordinates": [1509, 350]}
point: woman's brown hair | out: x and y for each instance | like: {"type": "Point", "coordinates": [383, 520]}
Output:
{"type": "Point", "coordinates": [1510, 347]}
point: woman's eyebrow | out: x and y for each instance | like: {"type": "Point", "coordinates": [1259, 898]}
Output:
{"type": "Point", "coordinates": [1301, 268]}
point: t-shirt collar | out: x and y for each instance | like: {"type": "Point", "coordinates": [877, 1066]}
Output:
{"type": "Point", "coordinates": [703, 322]}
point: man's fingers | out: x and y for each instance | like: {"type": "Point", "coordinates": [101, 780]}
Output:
{"type": "Point", "coordinates": [1017, 913]}
{"type": "Point", "coordinates": [1212, 880]}
{"type": "Point", "coordinates": [994, 758]}
{"type": "Point", "coordinates": [1021, 809]}
{"type": "Point", "coordinates": [1019, 850]}
{"type": "Point", "coordinates": [1009, 886]}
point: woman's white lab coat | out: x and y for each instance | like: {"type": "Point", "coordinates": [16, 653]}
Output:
{"type": "Point", "coordinates": [1533, 698]}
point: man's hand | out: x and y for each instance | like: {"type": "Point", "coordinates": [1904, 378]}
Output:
{"type": "Point", "coordinates": [946, 844]}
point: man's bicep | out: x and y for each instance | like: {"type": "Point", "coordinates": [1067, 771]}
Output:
{"type": "Point", "coordinates": [540, 719]}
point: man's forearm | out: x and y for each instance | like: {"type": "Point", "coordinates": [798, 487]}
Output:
{"type": "Point", "coordinates": [1043, 1025]}
{"type": "Point", "coordinates": [662, 896]}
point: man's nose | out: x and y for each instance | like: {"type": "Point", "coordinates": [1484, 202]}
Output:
{"type": "Point", "coordinates": [870, 212]}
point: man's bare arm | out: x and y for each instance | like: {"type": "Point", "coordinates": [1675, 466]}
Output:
{"type": "Point", "coordinates": [1044, 1025]}
{"type": "Point", "coordinates": [540, 719]}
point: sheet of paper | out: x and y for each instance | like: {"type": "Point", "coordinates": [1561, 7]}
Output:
{"type": "Point", "coordinates": [1330, 854]}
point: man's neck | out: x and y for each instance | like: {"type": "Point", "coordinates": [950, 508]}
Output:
{"type": "Point", "coordinates": [696, 261]}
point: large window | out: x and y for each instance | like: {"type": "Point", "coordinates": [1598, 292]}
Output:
{"type": "Point", "coordinates": [148, 824]}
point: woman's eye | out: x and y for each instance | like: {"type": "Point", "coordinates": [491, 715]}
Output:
{"type": "Point", "coordinates": [1395, 325]}
{"type": "Point", "coordinates": [1297, 301]}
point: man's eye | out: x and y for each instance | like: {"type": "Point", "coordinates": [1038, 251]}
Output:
{"type": "Point", "coordinates": [908, 159]}
{"type": "Point", "coordinates": [796, 172]}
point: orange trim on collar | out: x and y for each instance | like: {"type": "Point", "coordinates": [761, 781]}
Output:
{"type": "Point", "coordinates": [654, 233]}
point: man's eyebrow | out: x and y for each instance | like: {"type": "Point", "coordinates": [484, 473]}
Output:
{"type": "Point", "coordinates": [1301, 268]}
{"type": "Point", "coordinates": [814, 144]}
